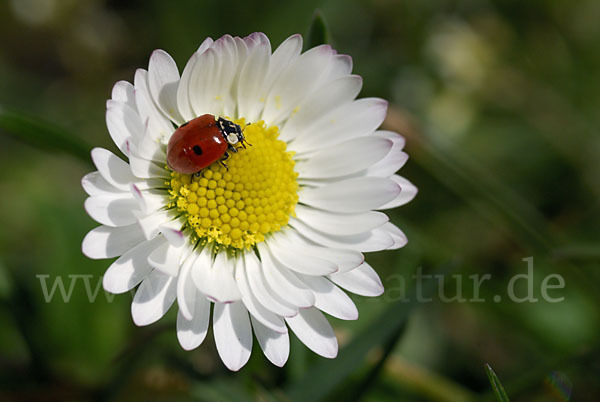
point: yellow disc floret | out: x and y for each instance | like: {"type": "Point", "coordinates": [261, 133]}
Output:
{"type": "Point", "coordinates": [239, 205]}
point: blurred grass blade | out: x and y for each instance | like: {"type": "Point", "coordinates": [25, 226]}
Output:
{"type": "Point", "coordinates": [42, 134]}
{"type": "Point", "coordinates": [318, 34]}
{"type": "Point", "coordinates": [496, 384]}
{"type": "Point", "coordinates": [429, 385]}
{"type": "Point", "coordinates": [579, 252]}
{"type": "Point", "coordinates": [356, 392]}
{"type": "Point", "coordinates": [326, 375]}
{"type": "Point", "coordinates": [470, 180]}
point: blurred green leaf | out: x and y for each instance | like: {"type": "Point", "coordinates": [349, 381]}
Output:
{"type": "Point", "coordinates": [322, 379]}
{"type": "Point", "coordinates": [26, 314]}
{"type": "Point", "coordinates": [579, 252]}
{"type": "Point", "coordinates": [42, 134]}
{"type": "Point", "coordinates": [357, 391]}
{"type": "Point", "coordinates": [427, 384]}
{"type": "Point", "coordinates": [486, 193]}
{"type": "Point", "coordinates": [318, 34]}
{"type": "Point", "coordinates": [496, 384]}
{"type": "Point", "coordinates": [222, 390]}
{"type": "Point", "coordinates": [5, 282]}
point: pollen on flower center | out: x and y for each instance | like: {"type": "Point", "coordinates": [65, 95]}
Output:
{"type": "Point", "coordinates": [240, 206]}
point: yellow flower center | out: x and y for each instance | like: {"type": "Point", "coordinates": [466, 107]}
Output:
{"type": "Point", "coordinates": [240, 206]}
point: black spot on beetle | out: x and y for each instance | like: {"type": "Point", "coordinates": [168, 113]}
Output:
{"type": "Point", "coordinates": [197, 150]}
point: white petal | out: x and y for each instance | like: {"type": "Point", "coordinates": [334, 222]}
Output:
{"type": "Point", "coordinates": [144, 168]}
{"type": "Point", "coordinates": [341, 64]}
{"type": "Point", "coordinates": [293, 259]}
{"type": "Point", "coordinates": [186, 290]}
{"type": "Point", "coordinates": [256, 309]}
{"type": "Point", "coordinates": [113, 169]}
{"type": "Point", "coordinates": [345, 158]}
{"type": "Point", "coordinates": [183, 91]}
{"type": "Point", "coordinates": [373, 240]}
{"type": "Point", "coordinates": [112, 210]}
{"type": "Point", "coordinates": [191, 333]}
{"type": "Point", "coordinates": [124, 124]}
{"type": "Point", "coordinates": [393, 161]}
{"type": "Point", "coordinates": [251, 79]}
{"type": "Point", "coordinates": [157, 122]}
{"type": "Point", "coordinates": [283, 56]}
{"type": "Point", "coordinates": [206, 43]}
{"type": "Point", "coordinates": [331, 299]}
{"type": "Point", "coordinates": [345, 260]}
{"type": "Point", "coordinates": [124, 92]}
{"type": "Point", "coordinates": [129, 269]}
{"type": "Point", "coordinates": [340, 224]}
{"type": "Point", "coordinates": [114, 177]}
{"type": "Point", "coordinates": [227, 51]}
{"type": "Point", "coordinates": [390, 135]}
{"type": "Point", "coordinates": [241, 49]}
{"type": "Point", "coordinates": [212, 77]}
{"type": "Point", "coordinates": [183, 96]}
{"type": "Point", "coordinates": [388, 165]}
{"type": "Point", "coordinates": [153, 223]}
{"type": "Point", "coordinates": [263, 292]}
{"type": "Point", "coordinates": [331, 95]}
{"type": "Point", "coordinates": [94, 184]}
{"type": "Point", "coordinates": [166, 258]}
{"type": "Point", "coordinates": [396, 234]}
{"type": "Point", "coordinates": [118, 173]}
{"type": "Point", "coordinates": [355, 119]}
{"type": "Point", "coordinates": [148, 200]}
{"type": "Point", "coordinates": [109, 242]}
{"type": "Point", "coordinates": [163, 80]}
{"type": "Point", "coordinates": [283, 282]}
{"type": "Point", "coordinates": [363, 281]}
{"type": "Point", "coordinates": [235, 52]}
{"type": "Point", "coordinates": [239, 53]}
{"type": "Point", "coordinates": [215, 278]}
{"type": "Point", "coordinates": [202, 83]}
{"type": "Point", "coordinates": [352, 195]}
{"type": "Point", "coordinates": [233, 334]}
{"type": "Point", "coordinates": [153, 298]}
{"type": "Point", "coordinates": [312, 328]}
{"type": "Point", "coordinates": [150, 147]}
{"type": "Point", "coordinates": [173, 236]}
{"type": "Point", "coordinates": [407, 192]}
{"type": "Point", "coordinates": [275, 345]}
{"type": "Point", "coordinates": [295, 83]}
{"type": "Point", "coordinates": [255, 39]}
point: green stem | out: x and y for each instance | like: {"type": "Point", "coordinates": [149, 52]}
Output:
{"type": "Point", "coordinates": [43, 134]}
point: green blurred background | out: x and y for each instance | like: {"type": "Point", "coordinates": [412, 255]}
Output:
{"type": "Point", "coordinates": [500, 103]}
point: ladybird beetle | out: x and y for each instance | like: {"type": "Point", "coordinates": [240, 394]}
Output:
{"type": "Point", "coordinates": [202, 141]}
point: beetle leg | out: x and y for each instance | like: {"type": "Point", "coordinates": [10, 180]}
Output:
{"type": "Point", "coordinates": [222, 161]}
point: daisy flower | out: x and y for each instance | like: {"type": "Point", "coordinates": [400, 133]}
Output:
{"type": "Point", "coordinates": [265, 244]}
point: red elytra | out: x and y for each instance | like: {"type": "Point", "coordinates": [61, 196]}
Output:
{"type": "Point", "coordinates": [195, 145]}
